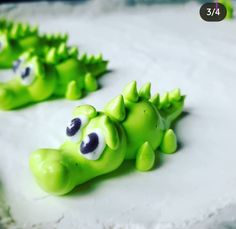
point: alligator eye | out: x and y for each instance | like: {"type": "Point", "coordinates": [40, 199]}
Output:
{"type": "Point", "coordinates": [76, 124]}
{"type": "Point", "coordinates": [93, 145]}
{"type": "Point", "coordinates": [16, 65]}
{"type": "Point", "coordinates": [27, 75]}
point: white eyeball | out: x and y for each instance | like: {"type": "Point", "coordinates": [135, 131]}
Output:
{"type": "Point", "coordinates": [27, 75]}
{"type": "Point", "coordinates": [93, 145]}
{"type": "Point", "coordinates": [73, 130]}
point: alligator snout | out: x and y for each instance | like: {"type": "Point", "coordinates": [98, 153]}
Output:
{"type": "Point", "coordinates": [49, 171]}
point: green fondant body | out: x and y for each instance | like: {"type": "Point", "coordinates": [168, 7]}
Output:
{"type": "Point", "coordinates": [16, 38]}
{"type": "Point", "coordinates": [58, 74]}
{"type": "Point", "coordinates": [134, 126]}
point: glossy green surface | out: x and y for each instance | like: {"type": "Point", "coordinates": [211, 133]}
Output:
{"type": "Point", "coordinates": [134, 126]}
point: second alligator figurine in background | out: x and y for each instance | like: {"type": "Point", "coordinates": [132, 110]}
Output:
{"type": "Point", "coordinates": [16, 38]}
{"type": "Point", "coordinates": [60, 73]}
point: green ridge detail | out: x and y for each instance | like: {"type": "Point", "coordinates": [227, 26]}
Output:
{"type": "Point", "coordinates": [130, 92]}
{"type": "Point", "coordinates": [155, 99]}
{"type": "Point", "coordinates": [145, 91]}
{"type": "Point", "coordinates": [116, 108]}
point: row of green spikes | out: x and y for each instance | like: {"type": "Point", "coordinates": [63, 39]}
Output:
{"type": "Point", "coordinates": [20, 30]}
{"type": "Point", "coordinates": [115, 109]}
{"type": "Point", "coordinates": [55, 37]}
{"type": "Point", "coordinates": [55, 55]}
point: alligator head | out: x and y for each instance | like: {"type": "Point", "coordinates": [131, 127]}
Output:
{"type": "Point", "coordinates": [29, 84]}
{"type": "Point", "coordinates": [97, 146]}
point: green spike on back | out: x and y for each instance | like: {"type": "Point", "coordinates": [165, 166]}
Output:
{"type": "Point", "coordinates": [130, 92]}
{"type": "Point", "coordinates": [62, 50]}
{"type": "Point", "coordinates": [73, 52]}
{"type": "Point", "coordinates": [175, 95]}
{"type": "Point", "coordinates": [164, 100]}
{"type": "Point", "coordinates": [127, 129]}
{"type": "Point", "coordinates": [115, 109]}
{"type": "Point", "coordinates": [51, 56]}
{"type": "Point", "coordinates": [155, 99]}
{"type": "Point", "coordinates": [145, 91]}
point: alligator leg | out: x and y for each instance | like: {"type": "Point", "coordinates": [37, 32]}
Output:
{"type": "Point", "coordinates": [169, 142]}
{"type": "Point", "coordinates": [90, 82]}
{"type": "Point", "coordinates": [145, 157]}
{"type": "Point", "coordinates": [73, 91]}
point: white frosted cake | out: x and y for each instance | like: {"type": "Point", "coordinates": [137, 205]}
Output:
{"type": "Point", "coordinates": [170, 46]}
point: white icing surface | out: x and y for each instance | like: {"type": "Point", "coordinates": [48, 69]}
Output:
{"type": "Point", "coordinates": [170, 46]}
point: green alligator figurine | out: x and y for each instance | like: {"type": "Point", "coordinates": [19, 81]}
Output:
{"type": "Point", "coordinates": [16, 38]}
{"type": "Point", "coordinates": [59, 74]}
{"type": "Point", "coordinates": [131, 127]}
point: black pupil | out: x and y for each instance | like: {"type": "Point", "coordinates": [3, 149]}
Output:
{"type": "Point", "coordinates": [25, 73]}
{"type": "Point", "coordinates": [16, 64]}
{"type": "Point", "coordinates": [74, 127]}
{"type": "Point", "coordinates": [91, 145]}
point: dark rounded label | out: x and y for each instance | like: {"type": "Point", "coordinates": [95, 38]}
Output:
{"type": "Point", "coordinates": [213, 12]}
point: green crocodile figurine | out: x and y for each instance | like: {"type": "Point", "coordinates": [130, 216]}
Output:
{"type": "Point", "coordinates": [131, 127]}
{"type": "Point", "coordinates": [59, 74]}
{"type": "Point", "coordinates": [16, 38]}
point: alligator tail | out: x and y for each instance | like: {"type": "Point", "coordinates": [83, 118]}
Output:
{"type": "Point", "coordinates": [170, 105]}
{"type": "Point", "coordinates": [95, 65]}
